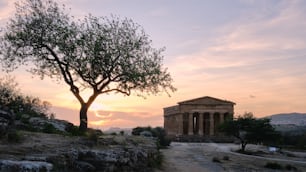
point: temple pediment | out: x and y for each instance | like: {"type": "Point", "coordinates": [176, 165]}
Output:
{"type": "Point", "coordinates": [206, 101]}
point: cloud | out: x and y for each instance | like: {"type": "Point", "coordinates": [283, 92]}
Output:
{"type": "Point", "coordinates": [261, 53]}
{"type": "Point", "coordinates": [248, 41]}
{"type": "Point", "coordinates": [159, 12]}
{"type": "Point", "coordinates": [7, 8]}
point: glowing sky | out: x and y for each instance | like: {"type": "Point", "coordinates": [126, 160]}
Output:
{"type": "Point", "coordinates": [252, 52]}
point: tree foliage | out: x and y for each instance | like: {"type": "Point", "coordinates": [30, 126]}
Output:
{"type": "Point", "coordinates": [250, 130]}
{"type": "Point", "coordinates": [103, 55]}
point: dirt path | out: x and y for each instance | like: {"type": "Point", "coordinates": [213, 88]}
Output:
{"type": "Point", "coordinates": [186, 157]}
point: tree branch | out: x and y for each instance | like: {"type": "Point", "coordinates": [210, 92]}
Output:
{"type": "Point", "coordinates": [117, 90]}
{"type": "Point", "coordinates": [66, 74]}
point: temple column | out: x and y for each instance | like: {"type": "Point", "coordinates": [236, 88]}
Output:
{"type": "Point", "coordinates": [211, 124]}
{"type": "Point", "coordinates": [221, 118]}
{"type": "Point", "coordinates": [201, 116]}
{"type": "Point", "coordinates": [190, 124]}
{"type": "Point", "coordinates": [181, 124]}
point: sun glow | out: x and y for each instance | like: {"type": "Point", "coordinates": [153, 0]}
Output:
{"type": "Point", "coordinates": [96, 107]}
{"type": "Point", "coordinates": [102, 119]}
{"type": "Point", "coordinates": [98, 123]}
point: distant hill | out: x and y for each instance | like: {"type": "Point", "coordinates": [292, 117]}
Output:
{"type": "Point", "coordinates": [298, 119]}
{"type": "Point", "coordinates": [289, 123]}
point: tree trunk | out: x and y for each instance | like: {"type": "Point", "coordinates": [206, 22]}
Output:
{"type": "Point", "coordinates": [83, 118]}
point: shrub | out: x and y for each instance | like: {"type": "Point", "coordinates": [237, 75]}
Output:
{"type": "Point", "coordinates": [11, 97]}
{"type": "Point", "coordinates": [74, 131]}
{"type": "Point", "coordinates": [215, 159]}
{"type": "Point", "coordinates": [93, 135]}
{"type": "Point", "coordinates": [136, 131]}
{"type": "Point", "coordinates": [160, 133]}
{"type": "Point", "coordinates": [226, 158]}
{"type": "Point", "coordinates": [156, 161]}
{"type": "Point", "coordinates": [121, 132]}
{"type": "Point", "coordinates": [290, 167]}
{"type": "Point", "coordinates": [157, 132]}
{"type": "Point", "coordinates": [14, 136]}
{"type": "Point", "coordinates": [273, 165]}
{"type": "Point", "coordinates": [49, 128]}
{"type": "Point", "coordinates": [113, 134]}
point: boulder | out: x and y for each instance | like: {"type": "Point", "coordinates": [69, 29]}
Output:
{"type": "Point", "coordinates": [24, 166]}
{"type": "Point", "coordinates": [41, 124]}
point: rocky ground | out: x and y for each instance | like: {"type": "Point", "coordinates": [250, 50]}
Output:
{"type": "Point", "coordinates": [23, 150]}
{"type": "Point", "coordinates": [53, 152]}
{"type": "Point", "coordinates": [38, 144]}
{"type": "Point", "coordinates": [211, 157]}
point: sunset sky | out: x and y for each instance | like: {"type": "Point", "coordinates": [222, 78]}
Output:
{"type": "Point", "coordinates": [251, 52]}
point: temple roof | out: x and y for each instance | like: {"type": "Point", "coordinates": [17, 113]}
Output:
{"type": "Point", "coordinates": [206, 100]}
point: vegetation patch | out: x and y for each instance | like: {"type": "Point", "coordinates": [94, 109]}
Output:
{"type": "Point", "coordinates": [273, 165]}
{"type": "Point", "coordinates": [290, 167]}
{"type": "Point", "coordinates": [249, 129]}
{"type": "Point", "coordinates": [158, 132]}
{"type": "Point", "coordinates": [156, 161]}
{"type": "Point", "coordinates": [14, 136]}
{"type": "Point", "coordinates": [215, 159]}
{"type": "Point", "coordinates": [226, 158]}
{"type": "Point", "coordinates": [49, 128]}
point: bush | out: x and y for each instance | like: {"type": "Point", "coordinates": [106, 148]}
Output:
{"type": "Point", "coordinates": [157, 132]}
{"type": "Point", "coordinates": [156, 161]}
{"type": "Point", "coordinates": [14, 136]}
{"type": "Point", "coordinates": [49, 128]}
{"type": "Point", "coordinates": [121, 132]}
{"type": "Point", "coordinates": [226, 158]}
{"type": "Point", "coordinates": [74, 131]}
{"type": "Point", "coordinates": [290, 167]}
{"type": "Point", "coordinates": [136, 131]}
{"type": "Point", "coordinates": [160, 133]}
{"type": "Point", "coordinates": [113, 134]}
{"type": "Point", "coordinates": [11, 97]}
{"type": "Point", "coordinates": [93, 135]}
{"type": "Point", "coordinates": [215, 159]}
{"type": "Point", "coordinates": [273, 165]}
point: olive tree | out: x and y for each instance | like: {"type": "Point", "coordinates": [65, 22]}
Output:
{"type": "Point", "coordinates": [101, 54]}
{"type": "Point", "coordinates": [248, 129]}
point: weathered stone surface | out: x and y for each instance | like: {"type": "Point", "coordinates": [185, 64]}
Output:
{"type": "Point", "coordinates": [24, 166]}
{"type": "Point", "coordinates": [44, 152]}
{"type": "Point", "coordinates": [39, 123]}
{"type": "Point", "coordinates": [6, 120]}
{"type": "Point", "coordinates": [197, 117]}
{"type": "Point", "coordinates": [124, 153]}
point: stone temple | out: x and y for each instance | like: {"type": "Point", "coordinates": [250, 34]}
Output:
{"type": "Point", "coordinates": [197, 117]}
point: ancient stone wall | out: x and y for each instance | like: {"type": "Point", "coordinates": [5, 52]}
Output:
{"type": "Point", "coordinates": [200, 116]}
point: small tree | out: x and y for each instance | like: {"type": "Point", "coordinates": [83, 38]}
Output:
{"type": "Point", "coordinates": [250, 130]}
{"type": "Point", "coordinates": [100, 54]}
{"type": "Point", "coordinates": [8, 91]}
{"type": "Point", "coordinates": [11, 97]}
